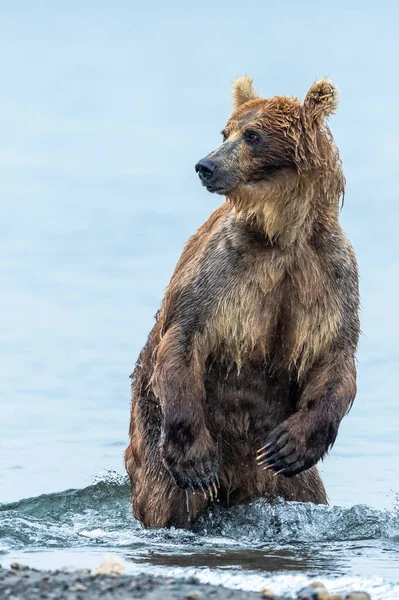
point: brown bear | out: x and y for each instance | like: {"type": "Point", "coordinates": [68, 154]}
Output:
{"type": "Point", "coordinates": [253, 349]}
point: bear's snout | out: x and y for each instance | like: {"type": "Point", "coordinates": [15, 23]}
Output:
{"type": "Point", "coordinates": [206, 169]}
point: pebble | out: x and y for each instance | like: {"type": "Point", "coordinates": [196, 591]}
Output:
{"type": "Point", "coordinates": [321, 590]}
{"type": "Point", "coordinates": [318, 591]}
{"type": "Point", "coordinates": [79, 588]}
{"type": "Point", "coordinates": [266, 594]}
{"type": "Point", "coordinates": [110, 565]}
{"type": "Point", "coordinates": [308, 593]}
{"type": "Point", "coordinates": [21, 583]}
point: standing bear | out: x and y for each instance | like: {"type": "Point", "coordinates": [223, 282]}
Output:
{"type": "Point", "coordinates": [250, 366]}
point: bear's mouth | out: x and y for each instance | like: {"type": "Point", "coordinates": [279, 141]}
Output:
{"type": "Point", "coordinates": [217, 189]}
{"type": "Point", "coordinates": [265, 174]}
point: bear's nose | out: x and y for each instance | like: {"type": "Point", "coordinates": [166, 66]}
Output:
{"type": "Point", "coordinates": [205, 169]}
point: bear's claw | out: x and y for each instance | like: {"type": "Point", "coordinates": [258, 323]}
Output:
{"type": "Point", "coordinates": [199, 476]}
{"type": "Point", "coordinates": [289, 450]}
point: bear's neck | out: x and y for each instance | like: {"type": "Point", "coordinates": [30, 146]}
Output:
{"type": "Point", "coordinates": [290, 209]}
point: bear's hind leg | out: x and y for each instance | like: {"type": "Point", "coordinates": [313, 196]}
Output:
{"type": "Point", "coordinates": [304, 487]}
{"type": "Point", "coordinates": [248, 484]}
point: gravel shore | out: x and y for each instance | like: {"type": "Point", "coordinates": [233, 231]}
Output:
{"type": "Point", "coordinates": [23, 583]}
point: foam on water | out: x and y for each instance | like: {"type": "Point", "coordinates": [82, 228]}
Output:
{"type": "Point", "coordinates": [101, 512]}
{"type": "Point", "coordinates": [280, 546]}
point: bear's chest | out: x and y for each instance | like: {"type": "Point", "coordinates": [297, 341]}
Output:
{"type": "Point", "coordinates": [265, 313]}
{"type": "Point", "coordinates": [246, 319]}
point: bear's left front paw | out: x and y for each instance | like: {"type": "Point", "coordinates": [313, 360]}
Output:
{"type": "Point", "coordinates": [295, 446]}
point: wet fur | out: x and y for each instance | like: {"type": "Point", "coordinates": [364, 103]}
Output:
{"type": "Point", "coordinates": [255, 340]}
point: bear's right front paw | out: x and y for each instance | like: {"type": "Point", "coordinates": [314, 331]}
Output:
{"type": "Point", "coordinates": [195, 471]}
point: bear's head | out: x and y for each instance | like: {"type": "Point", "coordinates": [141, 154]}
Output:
{"type": "Point", "coordinates": [278, 163]}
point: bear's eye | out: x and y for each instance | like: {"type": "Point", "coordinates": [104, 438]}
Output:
{"type": "Point", "coordinates": [252, 137]}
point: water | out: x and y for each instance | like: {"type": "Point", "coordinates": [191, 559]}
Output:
{"type": "Point", "coordinates": [249, 547]}
{"type": "Point", "coordinates": [104, 113]}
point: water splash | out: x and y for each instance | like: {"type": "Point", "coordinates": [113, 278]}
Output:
{"type": "Point", "coordinates": [280, 546]}
{"type": "Point", "coordinates": [299, 522]}
{"type": "Point", "coordinates": [100, 514]}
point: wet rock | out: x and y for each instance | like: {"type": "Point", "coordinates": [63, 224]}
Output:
{"type": "Point", "coordinates": [317, 591]}
{"type": "Point", "coordinates": [320, 588]}
{"type": "Point", "coordinates": [317, 585]}
{"type": "Point", "coordinates": [192, 580]}
{"type": "Point", "coordinates": [308, 593]}
{"type": "Point", "coordinates": [20, 584]}
{"type": "Point", "coordinates": [110, 565]}
{"type": "Point", "coordinates": [266, 595]}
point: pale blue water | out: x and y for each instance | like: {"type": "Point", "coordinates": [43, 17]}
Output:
{"type": "Point", "coordinates": [104, 111]}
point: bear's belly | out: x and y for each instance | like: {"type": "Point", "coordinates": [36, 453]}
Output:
{"type": "Point", "coordinates": [242, 407]}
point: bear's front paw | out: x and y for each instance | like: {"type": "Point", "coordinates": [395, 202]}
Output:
{"type": "Point", "coordinates": [296, 445]}
{"type": "Point", "coordinates": [196, 469]}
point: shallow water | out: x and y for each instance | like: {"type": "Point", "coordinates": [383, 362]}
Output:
{"type": "Point", "coordinates": [105, 112]}
{"type": "Point", "coordinates": [250, 547]}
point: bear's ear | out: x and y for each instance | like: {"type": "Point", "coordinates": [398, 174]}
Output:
{"type": "Point", "coordinates": [243, 91]}
{"type": "Point", "coordinates": [321, 100]}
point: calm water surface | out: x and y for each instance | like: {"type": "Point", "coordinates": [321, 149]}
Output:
{"type": "Point", "coordinates": [105, 113]}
